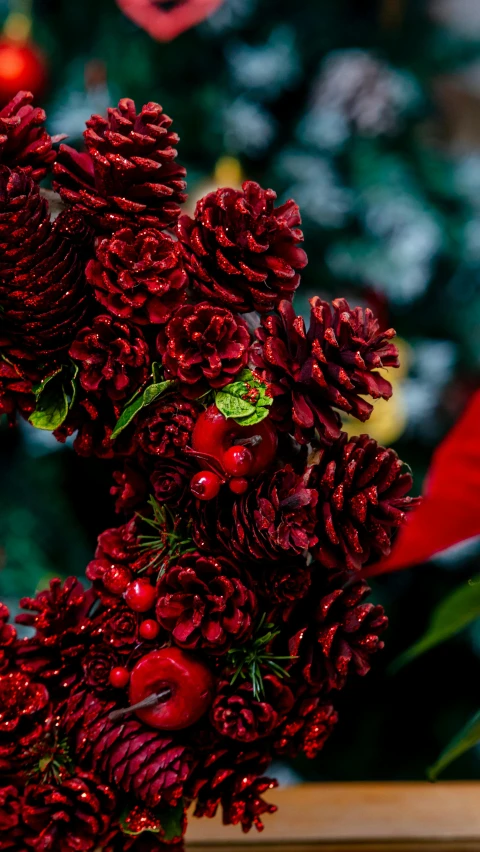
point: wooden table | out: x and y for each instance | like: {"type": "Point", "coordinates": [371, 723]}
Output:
{"type": "Point", "coordinates": [410, 817]}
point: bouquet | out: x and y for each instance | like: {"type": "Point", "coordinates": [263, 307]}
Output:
{"type": "Point", "coordinates": [229, 606]}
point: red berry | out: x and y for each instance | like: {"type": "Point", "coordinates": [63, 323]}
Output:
{"type": "Point", "coordinates": [205, 485]}
{"type": "Point", "coordinates": [214, 434]}
{"type": "Point", "coordinates": [238, 486]}
{"type": "Point", "coordinates": [140, 595]}
{"type": "Point", "coordinates": [190, 682]}
{"type": "Point", "coordinates": [116, 579]}
{"type": "Point", "coordinates": [149, 629]}
{"type": "Point", "coordinates": [119, 677]}
{"type": "Point", "coordinates": [237, 461]}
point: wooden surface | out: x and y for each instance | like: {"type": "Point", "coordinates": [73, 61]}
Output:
{"type": "Point", "coordinates": [410, 817]}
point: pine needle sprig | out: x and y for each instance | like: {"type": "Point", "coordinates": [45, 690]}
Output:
{"type": "Point", "coordinates": [254, 658]}
{"type": "Point", "coordinates": [170, 540]}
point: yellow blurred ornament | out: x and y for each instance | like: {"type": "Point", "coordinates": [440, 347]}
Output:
{"type": "Point", "coordinates": [388, 420]}
{"type": "Point", "coordinates": [227, 172]}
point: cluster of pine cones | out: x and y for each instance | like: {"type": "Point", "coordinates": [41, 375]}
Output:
{"type": "Point", "coordinates": [230, 606]}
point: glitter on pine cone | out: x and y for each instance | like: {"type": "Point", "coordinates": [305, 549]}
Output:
{"type": "Point", "coordinates": [306, 732]}
{"type": "Point", "coordinates": [138, 276]}
{"type": "Point", "coordinates": [333, 365]}
{"type": "Point", "coordinates": [24, 141]}
{"type": "Point", "coordinates": [241, 251]}
{"type": "Point", "coordinates": [237, 714]}
{"type": "Point", "coordinates": [128, 174]}
{"type": "Point", "coordinates": [363, 491]}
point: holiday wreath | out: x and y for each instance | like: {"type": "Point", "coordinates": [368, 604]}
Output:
{"type": "Point", "coordinates": [229, 608]}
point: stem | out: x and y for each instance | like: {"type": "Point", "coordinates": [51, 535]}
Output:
{"type": "Point", "coordinates": [253, 441]}
{"type": "Point", "coordinates": [163, 695]}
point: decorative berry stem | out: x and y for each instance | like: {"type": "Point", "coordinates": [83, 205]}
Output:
{"type": "Point", "coordinates": [151, 701]}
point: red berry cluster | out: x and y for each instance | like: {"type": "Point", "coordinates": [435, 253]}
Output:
{"type": "Point", "coordinates": [230, 606]}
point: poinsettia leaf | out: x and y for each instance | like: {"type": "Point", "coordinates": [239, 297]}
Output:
{"type": "Point", "coordinates": [55, 395]}
{"type": "Point", "coordinates": [149, 395]}
{"type": "Point", "coordinates": [245, 400]}
{"type": "Point", "coordinates": [453, 614]}
{"type": "Point", "coordinates": [450, 510]}
{"type": "Point", "coordinates": [465, 740]}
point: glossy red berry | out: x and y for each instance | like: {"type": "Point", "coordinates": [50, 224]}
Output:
{"type": "Point", "coordinates": [119, 677]}
{"type": "Point", "coordinates": [189, 682]}
{"type": "Point", "coordinates": [116, 579]}
{"type": "Point", "coordinates": [238, 486]}
{"type": "Point", "coordinates": [205, 485]}
{"type": "Point", "coordinates": [214, 434]}
{"type": "Point", "coordinates": [140, 595]}
{"type": "Point", "coordinates": [149, 629]}
{"type": "Point", "coordinates": [237, 461]}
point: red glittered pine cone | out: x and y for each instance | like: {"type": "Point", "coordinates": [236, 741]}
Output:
{"type": "Point", "coordinates": [285, 580]}
{"type": "Point", "coordinates": [24, 141]}
{"type": "Point", "coordinates": [117, 559]}
{"type": "Point", "coordinates": [24, 706]}
{"type": "Point", "coordinates": [8, 636]}
{"type": "Point", "coordinates": [363, 499]}
{"type": "Point", "coordinates": [128, 173]}
{"type": "Point", "coordinates": [16, 392]}
{"type": "Point", "coordinates": [42, 281]}
{"type": "Point", "coordinates": [170, 481]}
{"type": "Point", "coordinates": [204, 347]}
{"type": "Point", "coordinates": [138, 276]}
{"type": "Point", "coordinates": [306, 729]}
{"type": "Point", "coordinates": [331, 366]}
{"type": "Point", "coordinates": [73, 814]}
{"type": "Point", "coordinates": [277, 515]}
{"type": "Point", "coordinates": [112, 356]}
{"type": "Point", "coordinates": [206, 603]}
{"type": "Point", "coordinates": [237, 714]}
{"type": "Point", "coordinates": [60, 616]}
{"type": "Point", "coordinates": [146, 764]}
{"type": "Point", "coordinates": [11, 829]}
{"type": "Point", "coordinates": [332, 632]}
{"type": "Point", "coordinates": [165, 428]}
{"type": "Point", "coordinates": [130, 488]}
{"type": "Point", "coordinates": [92, 420]}
{"type": "Point", "coordinates": [241, 251]}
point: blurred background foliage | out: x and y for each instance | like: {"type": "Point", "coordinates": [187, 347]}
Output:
{"type": "Point", "coordinates": [368, 113]}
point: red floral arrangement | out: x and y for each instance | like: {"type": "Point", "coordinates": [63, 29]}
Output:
{"type": "Point", "coordinates": [230, 606]}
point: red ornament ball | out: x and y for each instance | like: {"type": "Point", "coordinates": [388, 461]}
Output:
{"type": "Point", "coordinates": [205, 485]}
{"type": "Point", "coordinates": [237, 461]}
{"type": "Point", "coordinates": [119, 677]}
{"type": "Point", "coordinates": [116, 579]}
{"type": "Point", "coordinates": [22, 66]}
{"type": "Point", "coordinates": [140, 595]}
{"type": "Point", "coordinates": [189, 682]}
{"type": "Point", "coordinates": [149, 629]}
{"type": "Point", "coordinates": [216, 435]}
{"type": "Point", "coordinates": [238, 486]}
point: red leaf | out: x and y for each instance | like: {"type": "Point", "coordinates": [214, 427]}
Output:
{"type": "Point", "coordinates": [450, 510]}
{"type": "Point", "coordinates": [166, 24]}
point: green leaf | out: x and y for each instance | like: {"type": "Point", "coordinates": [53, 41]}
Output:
{"type": "Point", "coordinates": [170, 823]}
{"type": "Point", "coordinates": [468, 738]}
{"type": "Point", "coordinates": [149, 395]}
{"type": "Point", "coordinates": [246, 400]}
{"type": "Point", "coordinates": [55, 395]}
{"type": "Point", "coordinates": [454, 613]}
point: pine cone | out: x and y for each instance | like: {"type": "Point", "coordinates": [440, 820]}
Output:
{"type": "Point", "coordinates": [206, 603]}
{"type": "Point", "coordinates": [241, 251]}
{"type": "Point", "coordinates": [285, 580]}
{"type": "Point", "coordinates": [13, 833]}
{"type": "Point", "coordinates": [203, 347]}
{"type": "Point", "coordinates": [332, 632]}
{"type": "Point", "coordinates": [128, 174]}
{"type": "Point", "coordinates": [42, 281]}
{"type": "Point", "coordinates": [278, 515]}
{"type": "Point", "coordinates": [139, 276]}
{"type": "Point", "coordinates": [307, 729]}
{"type": "Point", "coordinates": [24, 706]}
{"type": "Point", "coordinates": [171, 483]}
{"type": "Point", "coordinates": [76, 813]}
{"type": "Point", "coordinates": [24, 142]}
{"type": "Point", "coordinates": [332, 366]}
{"type": "Point", "coordinates": [237, 714]}
{"type": "Point", "coordinates": [130, 487]}
{"type": "Point", "coordinates": [8, 636]}
{"type": "Point", "coordinates": [143, 763]}
{"type": "Point", "coordinates": [165, 428]}
{"type": "Point", "coordinates": [117, 560]}
{"type": "Point", "coordinates": [93, 419]}
{"type": "Point", "coordinates": [113, 358]}
{"type": "Point", "coordinates": [362, 491]}
{"type": "Point", "coordinates": [16, 392]}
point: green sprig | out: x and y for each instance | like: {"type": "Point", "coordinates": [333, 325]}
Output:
{"type": "Point", "coordinates": [251, 659]}
{"type": "Point", "coordinates": [170, 541]}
